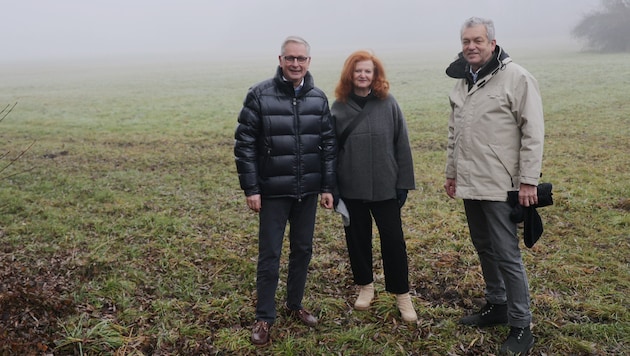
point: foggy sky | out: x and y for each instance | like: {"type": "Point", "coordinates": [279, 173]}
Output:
{"type": "Point", "coordinates": [72, 29]}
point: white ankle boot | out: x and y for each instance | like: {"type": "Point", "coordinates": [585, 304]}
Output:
{"type": "Point", "coordinates": [405, 306]}
{"type": "Point", "coordinates": [366, 295]}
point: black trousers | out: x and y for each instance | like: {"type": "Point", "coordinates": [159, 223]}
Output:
{"type": "Point", "coordinates": [274, 215]}
{"type": "Point", "coordinates": [386, 214]}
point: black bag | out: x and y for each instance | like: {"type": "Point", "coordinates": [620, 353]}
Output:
{"type": "Point", "coordinates": [532, 223]}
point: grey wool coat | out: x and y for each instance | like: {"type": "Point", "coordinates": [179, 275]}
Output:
{"type": "Point", "coordinates": [376, 158]}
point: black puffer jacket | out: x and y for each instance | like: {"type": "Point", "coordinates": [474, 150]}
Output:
{"type": "Point", "coordinates": [285, 144]}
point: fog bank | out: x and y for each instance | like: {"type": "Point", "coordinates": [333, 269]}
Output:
{"type": "Point", "coordinates": [39, 30]}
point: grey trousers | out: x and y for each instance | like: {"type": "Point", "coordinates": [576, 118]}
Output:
{"type": "Point", "coordinates": [274, 215]}
{"type": "Point", "coordinates": [494, 237]}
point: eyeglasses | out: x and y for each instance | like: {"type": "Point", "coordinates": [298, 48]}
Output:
{"type": "Point", "coordinates": [291, 59]}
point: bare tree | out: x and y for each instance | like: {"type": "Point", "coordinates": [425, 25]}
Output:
{"type": "Point", "coordinates": [6, 111]}
{"type": "Point", "coordinates": [608, 29]}
{"type": "Point", "coordinates": [3, 167]}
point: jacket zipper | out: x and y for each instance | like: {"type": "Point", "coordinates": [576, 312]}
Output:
{"type": "Point", "coordinates": [299, 158]}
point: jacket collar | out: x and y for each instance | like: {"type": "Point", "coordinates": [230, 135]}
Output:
{"type": "Point", "coordinates": [287, 86]}
{"type": "Point", "coordinates": [460, 69]}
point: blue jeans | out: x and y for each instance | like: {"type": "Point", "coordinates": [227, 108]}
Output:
{"type": "Point", "coordinates": [494, 237]}
{"type": "Point", "coordinates": [274, 215]}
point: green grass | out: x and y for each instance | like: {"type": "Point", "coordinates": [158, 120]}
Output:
{"type": "Point", "coordinates": [127, 210]}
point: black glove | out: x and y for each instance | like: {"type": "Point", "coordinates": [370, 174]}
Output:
{"type": "Point", "coordinates": [401, 195]}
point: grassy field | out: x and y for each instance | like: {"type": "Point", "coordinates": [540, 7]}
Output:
{"type": "Point", "coordinates": [124, 231]}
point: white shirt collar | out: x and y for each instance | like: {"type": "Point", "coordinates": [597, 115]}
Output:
{"type": "Point", "coordinates": [475, 74]}
{"type": "Point", "coordinates": [296, 88]}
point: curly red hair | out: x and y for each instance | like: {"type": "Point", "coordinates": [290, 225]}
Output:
{"type": "Point", "coordinates": [380, 85]}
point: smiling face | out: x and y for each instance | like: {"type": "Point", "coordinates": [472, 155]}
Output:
{"type": "Point", "coordinates": [294, 62]}
{"type": "Point", "coordinates": [362, 77]}
{"type": "Point", "coordinates": [476, 47]}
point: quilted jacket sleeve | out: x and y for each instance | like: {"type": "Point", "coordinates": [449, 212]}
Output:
{"type": "Point", "coordinates": [245, 146]}
{"type": "Point", "coordinates": [329, 152]}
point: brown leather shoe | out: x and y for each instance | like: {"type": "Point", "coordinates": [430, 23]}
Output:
{"type": "Point", "coordinates": [260, 333]}
{"type": "Point", "coordinates": [302, 315]}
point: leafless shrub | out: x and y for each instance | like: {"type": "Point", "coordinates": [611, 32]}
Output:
{"type": "Point", "coordinates": [5, 156]}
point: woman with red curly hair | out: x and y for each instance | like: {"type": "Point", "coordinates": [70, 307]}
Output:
{"type": "Point", "coordinates": [374, 173]}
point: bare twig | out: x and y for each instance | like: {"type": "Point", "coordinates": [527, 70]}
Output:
{"type": "Point", "coordinates": [7, 110]}
{"type": "Point", "coordinates": [3, 114]}
{"type": "Point", "coordinates": [15, 159]}
{"type": "Point", "coordinates": [17, 173]}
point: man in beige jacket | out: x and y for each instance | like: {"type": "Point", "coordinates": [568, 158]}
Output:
{"type": "Point", "coordinates": [495, 145]}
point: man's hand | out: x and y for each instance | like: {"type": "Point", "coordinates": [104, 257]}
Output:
{"type": "Point", "coordinates": [253, 202]}
{"type": "Point", "coordinates": [326, 200]}
{"type": "Point", "coordinates": [450, 187]}
{"type": "Point", "coordinates": [528, 195]}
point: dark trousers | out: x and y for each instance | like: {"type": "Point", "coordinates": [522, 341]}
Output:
{"type": "Point", "coordinates": [393, 248]}
{"type": "Point", "coordinates": [274, 215]}
{"type": "Point", "coordinates": [494, 237]}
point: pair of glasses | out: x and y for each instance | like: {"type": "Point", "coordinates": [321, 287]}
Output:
{"type": "Point", "coordinates": [291, 59]}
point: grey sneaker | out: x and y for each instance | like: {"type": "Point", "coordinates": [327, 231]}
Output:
{"type": "Point", "coordinates": [489, 315]}
{"type": "Point", "coordinates": [519, 342]}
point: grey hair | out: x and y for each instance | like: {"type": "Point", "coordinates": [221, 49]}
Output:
{"type": "Point", "coordinates": [296, 39]}
{"type": "Point", "coordinates": [474, 21]}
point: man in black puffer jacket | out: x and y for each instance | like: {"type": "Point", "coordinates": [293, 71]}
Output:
{"type": "Point", "coordinates": [285, 153]}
